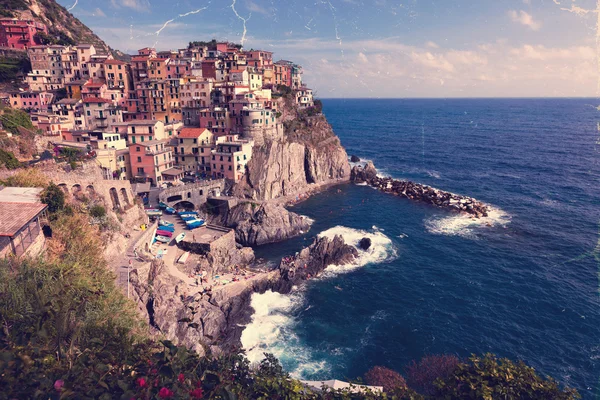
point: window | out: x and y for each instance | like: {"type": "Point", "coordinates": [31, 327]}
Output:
{"type": "Point", "coordinates": [141, 169]}
{"type": "Point", "coordinates": [133, 140]}
{"type": "Point", "coordinates": [139, 159]}
{"type": "Point", "coordinates": [201, 192]}
{"type": "Point", "coordinates": [195, 141]}
{"type": "Point", "coordinates": [138, 149]}
{"type": "Point", "coordinates": [182, 159]}
{"type": "Point", "coordinates": [180, 141]}
{"type": "Point", "coordinates": [230, 167]}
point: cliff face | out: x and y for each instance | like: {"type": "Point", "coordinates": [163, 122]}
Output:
{"type": "Point", "coordinates": [266, 223]}
{"type": "Point", "coordinates": [308, 153]}
{"type": "Point", "coordinates": [59, 21]}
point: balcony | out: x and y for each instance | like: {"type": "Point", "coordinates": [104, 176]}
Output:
{"type": "Point", "coordinates": [100, 117]}
{"type": "Point", "coordinates": [153, 152]}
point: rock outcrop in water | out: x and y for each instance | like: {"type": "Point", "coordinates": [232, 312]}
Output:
{"type": "Point", "coordinates": [306, 152]}
{"type": "Point", "coordinates": [419, 192]}
{"type": "Point", "coordinates": [257, 224]}
{"type": "Point", "coordinates": [214, 321]}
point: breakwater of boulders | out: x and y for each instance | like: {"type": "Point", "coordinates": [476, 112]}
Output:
{"type": "Point", "coordinates": [419, 192]}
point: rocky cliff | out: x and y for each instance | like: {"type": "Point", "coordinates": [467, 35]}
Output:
{"type": "Point", "coordinates": [308, 152]}
{"type": "Point", "coordinates": [62, 25]}
{"type": "Point", "coordinates": [214, 321]}
{"type": "Point", "coordinates": [257, 224]}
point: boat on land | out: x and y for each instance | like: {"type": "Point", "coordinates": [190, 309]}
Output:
{"type": "Point", "coordinates": [185, 213]}
{"type": "Point", "coordinates": [162, 239]}
{"type": "Point", "coordinates": [180, 237]}
{"type": "Point", "coordinates": [166, 228]}
{"type": "Point", "coordinates": [196, 223]}
{"type": "Point", "coordinates": [162, 205]}
{"type": "Point", "coordinates": [166, 223]}
{"type": "Point", "coordinates": [170, 210]}
{"type": "Point", "coordinates": [153, 212]}
{"type": "Point", "coordinates": [184, 257]}
{"type": "Point", "coordinates": [161, 232]}
{"type": "Point", "coordinates": [189, 217]}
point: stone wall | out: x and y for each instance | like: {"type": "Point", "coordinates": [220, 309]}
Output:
{"type": "Point", "coordinates": [226, 242]}
{"type": "Point", "coordinates": [145, 241]}
{"type": "Point", "coordinates": [195, 193]}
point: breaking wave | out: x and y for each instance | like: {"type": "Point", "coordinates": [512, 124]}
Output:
{"type": "Point", "coordinates": [382, 248]}
{"type": "Point", "coordinates": [272, 327]}
{"type": "Point", "coordinates": [466, 225]}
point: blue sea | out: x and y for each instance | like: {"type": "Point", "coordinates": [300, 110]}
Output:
{"type": "Point", "coordinates": [522, 284]}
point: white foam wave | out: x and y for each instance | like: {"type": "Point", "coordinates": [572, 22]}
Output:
{"type": "Point", "coordinates": [382, 248]}
{"type": "Point", "coordinates": [465, 225]}
{"type": "Point", "coordinates": [271, 330]}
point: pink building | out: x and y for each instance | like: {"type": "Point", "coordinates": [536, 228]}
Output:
{"type": "Point", "coordinates": [230, 157]}
{"type": "Point", "coordinates": [149, 160]}
{"type": "Point", "coordinates": [19, 34]}
{"type": "Point", "coordinates": [31, 100]}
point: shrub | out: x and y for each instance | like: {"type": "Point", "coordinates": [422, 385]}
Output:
{"type": "Point", "coordinates": [389, 379]}
{"type": "Point", "coordinates": [12, 119]}
{"type": "Point", "coordinates": [489, 377]}
{"type": "Point", "coordinates": [98, 211]}
{"type": "Point", "coordinates": [8, 160]}
{"type": "Point", "coordinates": [30, 177]}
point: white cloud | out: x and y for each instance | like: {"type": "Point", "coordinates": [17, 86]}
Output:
{"type": "Point", "coordinates": [138, 5]}
{"type": "Point", "coordinates": [524, 18]}
{"type": "Point", "coordinates": [255, 8]}
{"type": "Point", "coordinates": [394, 69]}
{"type": "Point", "coordinates": [99, 13]}
{"type": "Point", "coordinates": [432, 45]}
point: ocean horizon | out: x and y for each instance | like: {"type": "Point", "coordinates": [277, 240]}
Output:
{"type": "Point", "coordinates": [521, 283]}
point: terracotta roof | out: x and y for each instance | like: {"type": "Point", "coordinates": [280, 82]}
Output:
{"type": "Point", "coordinates": [192, 133]}
{"type": "Point", "coordinates": [111, 61]}
{"type": "Point", "coordinates": [94, 84]}
{"type": "Point", "coordinates": [95, 100]}
{"type": "Point", "coordinates": [139, 58]}
{"type": "Point", "coordinates": [14, 215]}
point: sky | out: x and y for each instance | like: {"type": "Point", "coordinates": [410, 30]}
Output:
{"type": "Point", "coordinates": [382, 48]}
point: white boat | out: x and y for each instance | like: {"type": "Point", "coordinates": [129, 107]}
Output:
{"type": "Point", "coordinates": [180, 237]}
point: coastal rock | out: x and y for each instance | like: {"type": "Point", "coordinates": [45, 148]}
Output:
{"type": "Point", "coordinates": [363, 174]}
{"type": "Point", "coordinates": [364, 243]}
{"type": "Point", "coordinates": [419, 192]}
{"type": "Point", "coordinates": [308, 153]}
{"type": "Point", "coordinates": [257, 224]}
{"type": "Point", "coordinates": [354, 158]}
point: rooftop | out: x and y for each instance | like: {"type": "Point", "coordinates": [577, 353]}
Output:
{"type": "Point", "coordinates": [22, 194]}
{"type": "Point", "coordinates": [192, 133]}
{"type": "Point", "coordinates": [14, 215]}
{"type": "Point", "coordinates": [96, 100]}
{"type": "Point", "coordinates": [209, 233]}
{"type": "Point", "coordinates": [172, 172]}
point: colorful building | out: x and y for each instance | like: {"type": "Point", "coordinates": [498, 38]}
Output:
{"type": "Point", "coordinates": [20, 34]}
{"type": "Point", "coordinates": [149, 160]}
{"type": "Point", "coordinates": [230, 157]}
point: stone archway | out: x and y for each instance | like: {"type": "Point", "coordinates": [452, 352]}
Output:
{"type": "Point", "coordinates": [125, 197]}
{"type": "Point", "coordinates": [114, 197]}
{"type": "Point", "coordinates": [90, 190]}
{"type": "Point", "coordinates": [64, 187]}
{"type": "Point", "coordinates": [76, 188]}
{"type": "Point", "coordinates": [177, 197]}
{"type": "Point", "coordinates": [186, 205]}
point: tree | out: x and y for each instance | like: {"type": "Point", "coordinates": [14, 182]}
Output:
{"type": "Point", "coordinates": [489, 377]}
{"type": "Point", "coordinates": [54, 197]}
{"type": "Point", "coordinates": [98, 211]}
{"type": "Point", "coordinates": [421, 376]}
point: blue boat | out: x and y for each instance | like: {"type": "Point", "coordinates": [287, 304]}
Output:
{"type": "Point", "coordinates": [166, 228]}
{"type": "Point", "coordinates": [196, 224]}
{"type": "Point", "coordinates": [166, 223]}
{"type": "Point", "coordinates": [182, 213]}
{"type": "Point", "coordinates": [162, 205]}
{"type": "Point", "coordinates": [170, 210]}
{"type": "Point", "coordinates": [188, 218]}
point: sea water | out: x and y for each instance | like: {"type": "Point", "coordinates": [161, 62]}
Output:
{"type": "Point", "coordinates": [521, 283]}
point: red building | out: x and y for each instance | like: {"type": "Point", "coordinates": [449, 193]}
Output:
{"type": "Point", "coordinates": [19, 34]}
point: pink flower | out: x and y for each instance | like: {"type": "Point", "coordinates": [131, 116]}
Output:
{"type": "Point", "coordinates": [165, 393]}
{"type": "Point", "coordinates": [59, 384]}
{"type": "Point", "coordinates": [181, 378]}
{"type": "Point", "coordinates": [142, 382]}
{"type": "Point", "coordinates": [196, 393]}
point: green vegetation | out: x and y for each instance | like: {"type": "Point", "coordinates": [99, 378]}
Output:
{"type": "Point", "coordinates": [29, 177]}
{"type": "Point", "coordinates": [98, 211]}
{"type": "Point", "coordinates": [13, 67]}
{"type": "Point", "coordinates": [12, 119]}
{"type": "Point", "coordinates": [9, 5]}
{"type": "Point", "coordinates": [8, 160]}
{"type": "Point", "coordinates": [54, 37]}
{"type": "Point", "coordinates": [212, 45]}
{"type": "Point", "coordinates": [54, 197]}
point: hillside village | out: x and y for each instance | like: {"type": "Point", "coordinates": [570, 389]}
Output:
{"type": "Point", "coordinates": [165, 114]}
